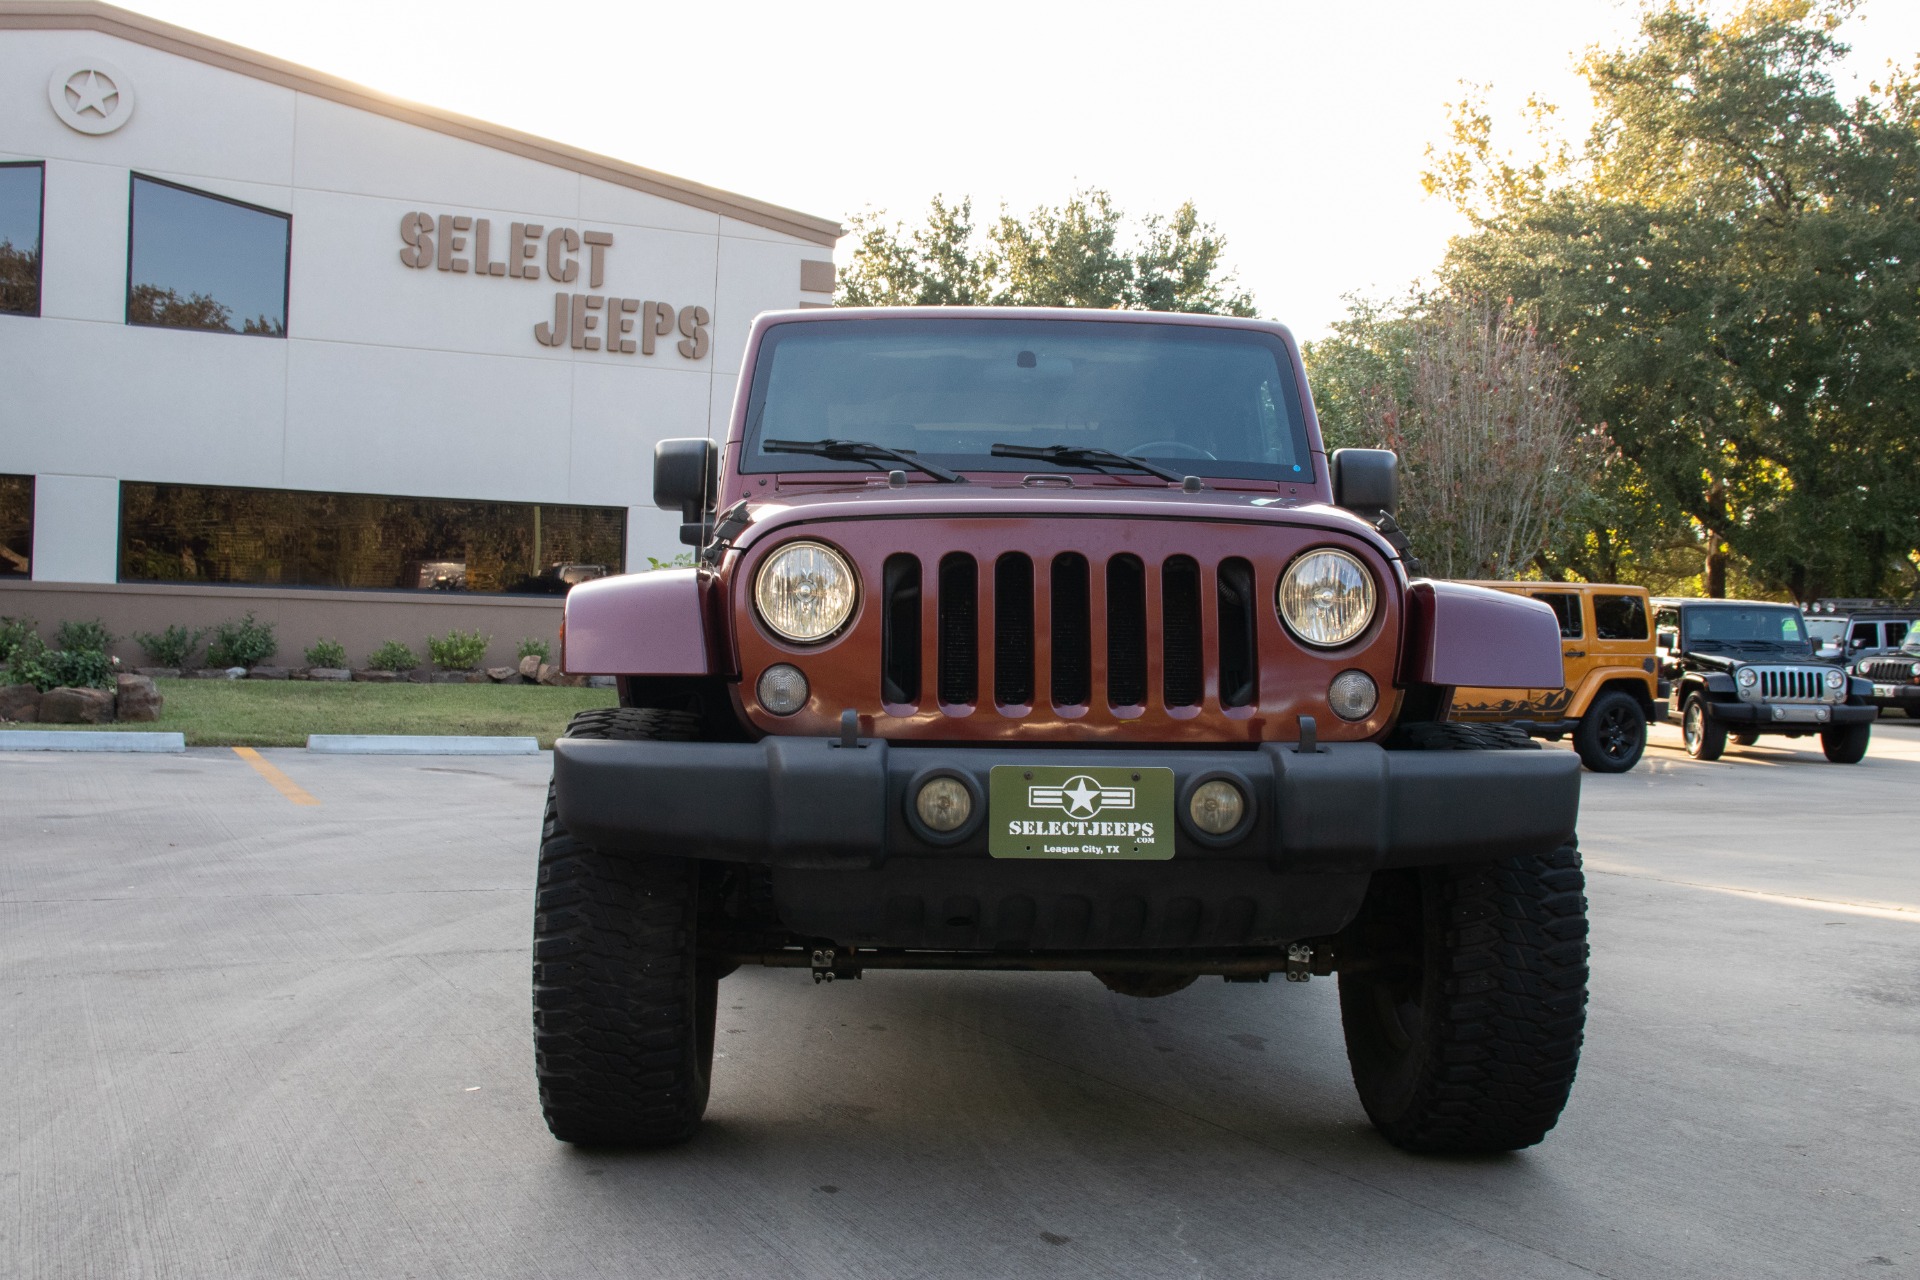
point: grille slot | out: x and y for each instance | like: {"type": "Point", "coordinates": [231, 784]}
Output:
{"type": "Point", "coordinates": [959, 677]}
{"type": "Point", "coordinates": [1183, 675]}
{"type": "Point", "coordinates": [1238, 664]}
{"type": "Point", "coordinates": [900, 629]}
{"type": "Point", "coordinates": [1791, 684]}
{"type": "Point", "coordinates": [1072, 631]}
{"type": "Point", "coordinates": [1126, 632]}
{"type": "Point", "coordinates": [1013, 630]}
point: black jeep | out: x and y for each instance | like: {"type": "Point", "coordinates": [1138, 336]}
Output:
{"type": "Point", "coordinates": [1895, 676]}
{"type": "Point", "coordinates": [1742, 668]}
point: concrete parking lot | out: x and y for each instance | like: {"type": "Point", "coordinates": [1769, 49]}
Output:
{"type": "Point", "coordinates": [274, 1022]}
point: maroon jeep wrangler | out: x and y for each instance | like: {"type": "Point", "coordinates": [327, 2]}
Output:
{"type": "Point", "coordinates": [1053, 640]}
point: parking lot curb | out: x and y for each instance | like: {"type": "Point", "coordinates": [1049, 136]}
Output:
{"type": "Point", "coordinates": [407, 744]}
{"type": "Point", "coordinates": [124, 740]}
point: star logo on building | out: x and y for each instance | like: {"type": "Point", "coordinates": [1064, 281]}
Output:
{"type": "Point", "coordinates": [1081, 797]}
{"type": "Point", "coordinates": [91, 97]}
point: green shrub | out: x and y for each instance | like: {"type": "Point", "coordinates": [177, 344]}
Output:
{"type": "Point", "coordinates": [171, 648]}
{"type": "Point", "coordinates": [531, 648]}
{"type": "Point", "coordinates": [43, 668]}
{"type": "Point", "coordinates": [242, 642]}
{"type": "Point", "coordinates": [327, 653]}
{"type": "Point", "coordinates": [393, 656]}
{"type": "Point", "coordinates": [15, 634]}
{"type": "Point", "coordinates": [458, 650]}
{"type": "Point", "coordinates": [84, 637]}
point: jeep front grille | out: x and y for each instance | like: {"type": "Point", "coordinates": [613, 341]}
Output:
{"type": "Point", "coordinates": [1889, 670]}
{"type": "Point", "coordinates": [1791, 684]}
{"type": "Point", "coordinates": [1067, 578]}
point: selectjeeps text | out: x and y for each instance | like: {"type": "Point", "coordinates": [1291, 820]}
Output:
{"type": "Point", "coordinates": [1054, 640]}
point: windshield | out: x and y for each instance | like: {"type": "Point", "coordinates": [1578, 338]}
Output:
{"type": "Point", "coordinates": [1736, 625]}
{"type": "Point", "coordinates": [1827, 630]}
{"type": "Point", "coordinates": [1912, 643]}
{"type": "Point", "coordinates": [1203, 400]}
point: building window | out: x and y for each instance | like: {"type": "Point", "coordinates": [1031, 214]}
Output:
{"type": "Point", "coordinates": [21, 186]}
{"type": "Point", "coordinates": [282, 538]}
{"type": "Point", "coordinates": [197, 261]}
{"type": "Point", "coordinates": [16, 526]}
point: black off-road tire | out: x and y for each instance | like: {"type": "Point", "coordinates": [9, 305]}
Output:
{"type": "Point", "coordinates": [623, 1011]}
{"type": "Point", "coordinates": [1465, 1003]}
{"type": "Point", "coordinates": [1846, 743]}
{"type": "Point", "coordinates": [1705, 737]}
{"type": "Point", "coordinates": [1743, 739]}
{"type": "Point", "coordinates": [1612, 735]}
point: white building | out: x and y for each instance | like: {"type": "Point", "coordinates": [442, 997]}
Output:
{"type": "Point", "coordinates": [289, 345]}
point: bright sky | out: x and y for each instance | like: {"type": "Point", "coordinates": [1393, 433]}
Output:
{"type": "Point", "coordinates": [1299, 129]}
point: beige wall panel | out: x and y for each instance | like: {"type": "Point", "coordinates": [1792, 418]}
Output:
{"type": "Point", "coordinates": [188, 118]}
{"type": "Point", "coordinates": [607, 202]}
{"type": "Point", "coordinates": [359, 620]}
{"type": "Point", "coordinates": [427, 423]}
{"type": "Point", "coordinates": [84, 272]}
{"type": "Point", "coordinates": [76, 519]}
{"type": "Point", "coordinates": [145, 404]}
{"type": "Point", "coordinates": [350, 285]}
{"type": "Point", "coordinates": [343, 149]}
{"type": "Point", "coordinates": [618, 416]}
{"type": "Point", "coordinates": [755, 276]}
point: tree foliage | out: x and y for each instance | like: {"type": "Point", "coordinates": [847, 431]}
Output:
{"type": "Point", "coordinates": [1083, 253]}
{"type": "Point", "coordinates": [1481, 414]}
{"type": "Point", "coordinates": [1731, 265]}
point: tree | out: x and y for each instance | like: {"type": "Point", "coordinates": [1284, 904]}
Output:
{"type": "Point", "coordinates": [1080, 254]}
{"type": "Point", "coordinates": [19, 279]}
{"type": "Point", "coordinates": [1481, 414]}
{"type": "Point", "coordinates": [1731, 265]}
{"type": "Point", "coordinates": [150, 304]}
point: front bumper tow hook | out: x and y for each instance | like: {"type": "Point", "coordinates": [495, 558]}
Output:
{"type": "Point", "coordinates": [1299, 962]}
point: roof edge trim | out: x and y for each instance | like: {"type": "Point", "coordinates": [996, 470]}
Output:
{"type": "Point", "coordinates": [90, 15]}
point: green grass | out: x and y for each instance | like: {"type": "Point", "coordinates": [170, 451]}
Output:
{"type": "Point", "coordinates": [276, 713]}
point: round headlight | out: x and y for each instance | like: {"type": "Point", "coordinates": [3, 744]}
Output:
{"type": "Point", "coordinates": [1836, 679]}
{"type": "Point", "coordinates": [1747, 677]}
{"type": "Point", "coordinates": [1352, 695]}
{"type": "Point", "coordinates": [782, 689]}
{"type": "Point", "coordinates": [944, 804]}
{"type": "Point", "coordinates": [804, 592]}
{"type": "Point", "coordinates": [1216, 807]}
{"type": "Point", "coordinates": [1326, 597]}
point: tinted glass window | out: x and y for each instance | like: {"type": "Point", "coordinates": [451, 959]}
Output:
{"type": "Point", "coordinates": [1215, 401]}
{"type": "Point", "coordinates": [1566, 607]}
{"type": "Point", "coordinates": [271, 537]}
{"type": "Point", "coordinates": [1719, 625]}
{"type": "Point", "coordinates": [1865, 635]}
{"type": "Point", "coordinates": [1826, 630]}
{"type": "Point", "coordinates": [1896, 633]}
{"type": "Point", "coordinates": [20, 186]}
{"type": "Point", "coordinates": [200, 262]}
{"type": "Point", "coordinates": [16, 526]}
{"type": "Point", "coordinates": [1619, 618]}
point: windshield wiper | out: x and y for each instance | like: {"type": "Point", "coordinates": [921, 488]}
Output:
{"type": "Point", "coordinates": [860, 451]}
{"type": "Point", "coordinates": [1063, 454]}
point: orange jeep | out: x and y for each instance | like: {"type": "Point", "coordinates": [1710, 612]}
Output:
{"type": "Point", "coordinates": [1612, 687]}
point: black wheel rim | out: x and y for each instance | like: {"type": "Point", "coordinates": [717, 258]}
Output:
{"type": "Point", "coordinates": [1616, 735]}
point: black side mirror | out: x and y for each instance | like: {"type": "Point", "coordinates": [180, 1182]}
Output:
{"type": "Point", "coordinates": [686, 476]}
{"type": "Point", "coordinates": [1668, 640]}
{"type": "Point", "coordinates": [1366, 481]}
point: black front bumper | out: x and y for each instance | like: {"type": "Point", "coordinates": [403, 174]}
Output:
{"type": "Point", "coordinates": [813, 804]}
{"type": "Point", "coordinates": [1759, 716]}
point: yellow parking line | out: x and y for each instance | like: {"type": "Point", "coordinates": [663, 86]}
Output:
{"type": "Point", "coordinates": [281, 782]}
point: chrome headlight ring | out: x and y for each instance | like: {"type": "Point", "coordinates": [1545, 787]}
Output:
{"type": "Point", "coordinates": [1326, 598]}
{"type": "Point", "coordinates": [804, 592]}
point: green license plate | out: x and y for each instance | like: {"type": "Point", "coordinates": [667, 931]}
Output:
{"type": "Point", "coordinates": [1077, 811]}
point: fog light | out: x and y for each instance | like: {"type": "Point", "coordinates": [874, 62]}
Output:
{"type": "Point", "coordinates": [782, 689]}
{"type": "Point", "coordinates": [1217, 807]}
{"type": "Point", "coordinates": [944, 804]}
{"type": "Point", "coordinates": [1352, 695]}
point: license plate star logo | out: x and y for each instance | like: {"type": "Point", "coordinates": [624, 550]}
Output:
{"type": "Point", "coordinates": [1080, 797]}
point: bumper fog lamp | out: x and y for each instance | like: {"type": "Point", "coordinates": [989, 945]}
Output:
{"type": "Point", "coordinates": [944, 804]}
{"type": "Point", "coordinates": [1326, 598]}
{"type": "Point", "coordinates": [782, 689]}
{"type": "Point", "coordinates": [1352, 695]}
{"type": "Point", "coordinates": [1216, 807]}
{"type": "Point", "coordinates": [1747, 677]}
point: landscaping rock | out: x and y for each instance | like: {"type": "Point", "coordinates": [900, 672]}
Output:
{"type": "Point", "coordinates": [330, 673]}
{"type": "Point", "coordinates": [236, 673]}
{"type": "Point", "coordinates": [530, 666]}
{"type": "Point", "coordinates": [19, 703]}
{"type": "Point", "coordinates": [158, 673]}
{"type": "Point", "coordinates": [448, 677]}
{"type": "Point", "coordinates": [504, 675]}
{"type": "Point", "coordinates": [602, 682]}
{"type": "Point", "coordinates": [136, 699]}
{"type": "Point", "coordinates": [376, 677]}
{"type": "Point", "coordinates": [209, 673]}
{"type": "Point", "coordinates": [76, 706]}
{"type": "Point", "coordinates": [298, 673]}
{"type": "Point", "coordinates": [267, 673]}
